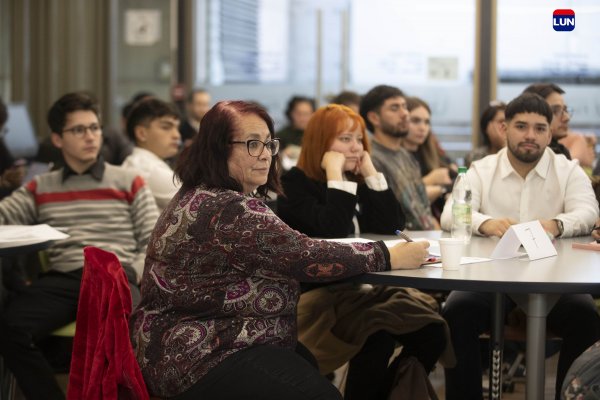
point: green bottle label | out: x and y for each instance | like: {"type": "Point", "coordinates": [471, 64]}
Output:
{"type": "Point", "coordinates": [461, 212]}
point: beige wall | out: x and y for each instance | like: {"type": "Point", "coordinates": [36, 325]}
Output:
{"type": "Point", "coordinates": [51, 47]}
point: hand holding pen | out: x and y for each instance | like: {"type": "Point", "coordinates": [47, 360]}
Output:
{"type": "Point", "coordinates": [408, 255]}
{"type": "Point", "coordinates": [403, 235]}
{"type": "Point", "coordinates": [429, 258]}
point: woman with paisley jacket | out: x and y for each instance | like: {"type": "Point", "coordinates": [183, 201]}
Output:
{"type": "Point", "coordinates": [221, 282]}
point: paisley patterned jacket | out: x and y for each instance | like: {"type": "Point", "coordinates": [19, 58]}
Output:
{"type": "Point", "coordinates": [222, 274]}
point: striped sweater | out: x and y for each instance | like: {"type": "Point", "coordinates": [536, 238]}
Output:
{"type": "Point", "coordinates": [116, 214]}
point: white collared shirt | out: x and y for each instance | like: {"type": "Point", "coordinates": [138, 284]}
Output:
{"type": "Point", "coordinates": [157, 174]}
{"type": "Point", "coordinates": [555, 189]}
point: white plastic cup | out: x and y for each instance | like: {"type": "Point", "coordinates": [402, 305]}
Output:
{"type": "Point", "coordinates": [452, 251]}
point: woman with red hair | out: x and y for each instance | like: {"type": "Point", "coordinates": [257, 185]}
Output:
{"type": "Point", "coordinates": [333, 176]}
{"type": "Point", "coordinates": [335, 191]}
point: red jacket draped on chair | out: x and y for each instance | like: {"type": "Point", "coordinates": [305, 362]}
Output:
{"type": "Point", "coordinates": [103, 365]}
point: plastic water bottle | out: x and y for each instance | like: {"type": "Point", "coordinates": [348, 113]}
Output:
{"type": "Point", "coordinates": [461, 208]}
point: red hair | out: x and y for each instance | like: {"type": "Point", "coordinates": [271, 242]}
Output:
{"type": "Point", "coordinates": [324, 126]}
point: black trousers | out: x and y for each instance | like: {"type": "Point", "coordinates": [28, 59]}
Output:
{"type": "Point", "coordinates": [370, 377]}
{"type": "Point", "coordinates": [46, 305]}
{"type": "Point", "coordinates": [574, 318]}
{"type": "Point", "coordinates": [264, 373]}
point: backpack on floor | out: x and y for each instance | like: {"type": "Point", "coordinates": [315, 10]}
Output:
{"type": "Point", "coordinates": [583, 378]}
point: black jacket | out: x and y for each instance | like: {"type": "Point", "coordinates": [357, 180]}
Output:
{"type": "Point", "coordinates": [315, 210]}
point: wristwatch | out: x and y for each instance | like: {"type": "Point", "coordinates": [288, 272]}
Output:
{"type": "Point", "coordinates": [560, 226]}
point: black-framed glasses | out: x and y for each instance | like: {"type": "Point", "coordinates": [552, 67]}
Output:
{"type": "Point", "coordinates": [256, 147]}
{"type": "Point", "coordinates": [80, 130]}
{"type": "Point", "coordinates": [558, 111]}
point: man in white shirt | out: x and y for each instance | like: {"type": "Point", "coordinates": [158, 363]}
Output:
{"type": "Point", "coordinates": [153, 125]}
{"type": "Point", "coordinates": [523, 182]}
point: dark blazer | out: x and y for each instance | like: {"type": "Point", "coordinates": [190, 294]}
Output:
{"type": "Point", "coordinates": [186, 130]}
{"type": "Point", "coordinates": [559, 148]}
{"type": "Point", "coordinates": [315, 210]}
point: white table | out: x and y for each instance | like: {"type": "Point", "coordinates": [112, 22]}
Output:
{"type": "Point", "coordinates": [23, 239]}
{"type": "Point", "coordinates": [534, 285]}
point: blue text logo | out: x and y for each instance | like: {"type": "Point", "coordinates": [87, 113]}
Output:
{"type": "Point", "coordinates": [563, 20]}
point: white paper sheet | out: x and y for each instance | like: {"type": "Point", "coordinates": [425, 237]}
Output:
{"type": "Point", "coordinates": [388, 243]}
{"type": "Point", "coordinates": [465, 260]}
{"type": "Point", "coordinates": [21, 235]}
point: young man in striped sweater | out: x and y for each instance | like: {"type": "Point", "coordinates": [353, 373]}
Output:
{"type": "Point", "coordinates": [98, 204]}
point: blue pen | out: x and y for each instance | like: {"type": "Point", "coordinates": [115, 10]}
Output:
{"type": "Point", "coordinates": [403, 235]}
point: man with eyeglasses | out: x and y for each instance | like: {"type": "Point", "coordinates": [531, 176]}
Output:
{"type": "Point", "coordinates": [114, 148]}
{"type": "Point", "coordinates": [153, 125]}
{"type": "Point", "coordinates": [559, 127]}
{"type": "Point", "coordinates": [97, 204]}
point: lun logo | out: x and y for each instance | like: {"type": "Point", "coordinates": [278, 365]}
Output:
{"type": "Point", "coordinates": [563, 20]}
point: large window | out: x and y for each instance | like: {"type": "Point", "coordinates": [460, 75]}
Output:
{"type": "Point", "coordinates": [270, 41]}
{"type": "Point", "coordinates": [427, 43]}
{"type": "Point", "coordinates": [318, 48]}
{"type": "Point", "coordinates": [426, 48]}
{"type": "Point", "coordinates": [530, 50]}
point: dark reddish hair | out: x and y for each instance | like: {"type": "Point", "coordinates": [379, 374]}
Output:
{"type": "Point", "coordinates": [204, 162]}
{"type": "Point", "coordinates": [322, 129]}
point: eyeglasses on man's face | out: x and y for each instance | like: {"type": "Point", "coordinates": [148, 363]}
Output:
{"type": "Point", "coordinates": [80, 130]}
{"type": "Point", "coordinates": [256, 147]}
{"type": "Point", "coordinates": [559, 111]}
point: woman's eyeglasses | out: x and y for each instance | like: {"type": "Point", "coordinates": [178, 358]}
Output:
{"type": "Point", "coordinates": [256, 147]}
